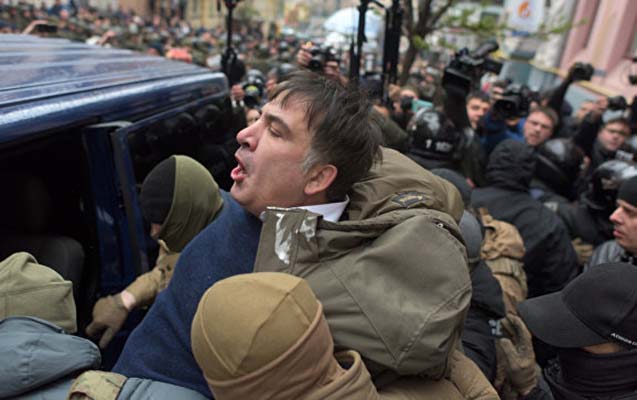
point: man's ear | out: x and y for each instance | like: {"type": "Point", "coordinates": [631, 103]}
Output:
{"type": "Point", "coordinates": [320, 178]}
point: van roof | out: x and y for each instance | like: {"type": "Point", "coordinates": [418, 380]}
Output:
{"type": "Point", "coordinates": [52, 83]}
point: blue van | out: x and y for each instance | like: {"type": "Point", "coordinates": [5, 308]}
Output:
{"type": "Point", "coordinates": [80, 128]}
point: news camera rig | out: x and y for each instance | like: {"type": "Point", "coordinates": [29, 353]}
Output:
{"type": "Point", "coordinates": [231, 66]}
{"type": "Point", "coordinates": [393, 26]}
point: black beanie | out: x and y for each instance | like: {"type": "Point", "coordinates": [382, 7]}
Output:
{"type": "Point", "coordinates": [157, 191]}
{"type": "Point", "coordinates": [628, 191]}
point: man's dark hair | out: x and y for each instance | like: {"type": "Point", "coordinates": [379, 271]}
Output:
{"type": "Point", "coordinates": [618, 120]}
{"type": "Point", "coordinates": [478, 94]}
{"type": "Point", "coordinates": [549, 112]}
{"type": "Point", "coordinates": [345, 132]}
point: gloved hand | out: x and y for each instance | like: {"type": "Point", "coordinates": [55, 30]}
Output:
{"type": "Point", "coordinates": [518, 355]}
{"type": "Point", "coordinates": [583, 250]}
{"type": "Point", "coordinates": [109, 315]}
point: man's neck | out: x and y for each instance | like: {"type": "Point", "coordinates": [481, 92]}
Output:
{"type": "Point", "coordinates": [330, 211]}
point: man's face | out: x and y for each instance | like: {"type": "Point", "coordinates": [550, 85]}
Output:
{"type": "Point", "coordinates": [252, 116]}
{"type": "Point", "coordinates": [538, 128]}
{"type": "Point", "coordinates": [270, 159]}
{"type": "Point", "coordinates": [624, 220]}
{"type": "Point", "coordinates": [612, 136]}
{"type": "Point", "coordinates": [476, 109]}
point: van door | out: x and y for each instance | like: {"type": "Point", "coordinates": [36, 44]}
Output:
{"type": "Point", "coordinates": [140, 146]}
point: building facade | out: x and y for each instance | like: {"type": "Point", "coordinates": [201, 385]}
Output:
{"type": "Point", "coordinates": [608, 41]}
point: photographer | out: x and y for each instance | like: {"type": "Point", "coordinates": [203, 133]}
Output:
{"type": "Point", "coordinates": [478, 106]}
{"type": "Point", "coordinates": [406, 106]}
{"type": "Point", "coordinates": [321, 60]}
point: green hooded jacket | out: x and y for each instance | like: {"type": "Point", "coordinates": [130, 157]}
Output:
{"type": "Point", "coordinates": [393, 278]}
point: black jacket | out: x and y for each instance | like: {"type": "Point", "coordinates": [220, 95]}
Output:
{"type": "Point", "coordinates": [550, 260]}
{"type": "Point", "coordinates": [590, 225]}
{"type": "Point", "coordinates": [543, 193]}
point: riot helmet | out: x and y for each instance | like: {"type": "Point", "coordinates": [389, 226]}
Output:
{"type": "Point", "coordinates": [558, 165]}
{"type": "Point", "coordinates": [254, 88]}
{"type": "Point", "coordinates": [434, 136]}
{"type": "Point", "coordinates": [605, 182]}
{"type": "Point", "coordinates": [255, 74]}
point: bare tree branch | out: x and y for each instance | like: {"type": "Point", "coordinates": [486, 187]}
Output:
{"type": "Point", "coordinates": [408, 18]}
{"type": "Point", "coordinates": [440, 13]}
{"type": "Point", "coordinates": [424, 10]}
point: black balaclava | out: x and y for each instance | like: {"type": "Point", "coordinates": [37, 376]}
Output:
{"type": "Point", "coordinates": [157, 191]}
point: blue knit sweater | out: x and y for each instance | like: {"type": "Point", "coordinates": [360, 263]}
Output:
{"type": "Point", "coordinates": [159, 348]}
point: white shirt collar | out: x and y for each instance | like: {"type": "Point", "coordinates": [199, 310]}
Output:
{"type": "Point", "coordinates": [330, 211]}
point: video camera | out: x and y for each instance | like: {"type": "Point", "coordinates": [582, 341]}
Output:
{"type": "Point", "coordinates": [466, 68]}
{"type": "Point", "coordinates": [514, 103]}
{"type": "Point", "coordinates": [321, 56]}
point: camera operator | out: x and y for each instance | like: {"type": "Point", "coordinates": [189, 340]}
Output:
{"type": "Point", "coordinates": [461, 76]}
{"type": "Point", "coordinates": [477, 107]}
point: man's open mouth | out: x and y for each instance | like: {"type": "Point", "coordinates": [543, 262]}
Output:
{"type": "Point", "coordinates": [239, 172]}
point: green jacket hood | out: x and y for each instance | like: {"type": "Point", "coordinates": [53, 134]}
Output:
{"type": "Point", "coordinates": [196, 202]}
{"type": "Point", "coordinates": [400, 183]}
{"type": "Point", "coordinates": [393, 279]}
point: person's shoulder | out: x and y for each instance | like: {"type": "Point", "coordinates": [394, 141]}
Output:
{"type": "Point", "coordinates": [231, 224]}
{"type": "Point", "coordinates": [138, 388]}
{"type": "Point", "coordinates": [609, 251]}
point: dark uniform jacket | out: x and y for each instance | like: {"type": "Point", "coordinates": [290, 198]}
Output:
{"type": "Point", "coordinates": [550, 260]}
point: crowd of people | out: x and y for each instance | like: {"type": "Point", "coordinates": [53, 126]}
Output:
{"type": "Point", "coordinates": [165, 33]}
{"type": "Point", "coordinates": [439, 242]}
